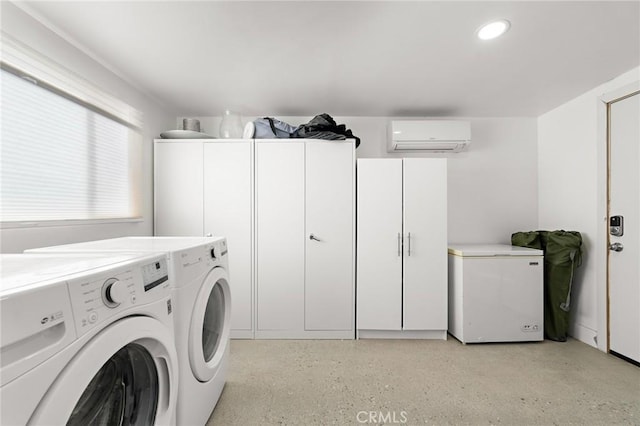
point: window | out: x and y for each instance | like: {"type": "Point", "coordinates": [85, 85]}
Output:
{"type": "Point", "coordinates": [62, 158]}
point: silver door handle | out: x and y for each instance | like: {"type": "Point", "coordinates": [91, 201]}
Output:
{"type": "Point", "coordinates": [409, 243]}
{"type": "Point", "coordinates": [314, 238]}
{"type": "Point", "coordinates": [617, 247]}
{"type": "Point", "coordinates": [399, 244]}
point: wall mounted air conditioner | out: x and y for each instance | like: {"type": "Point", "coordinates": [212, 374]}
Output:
{"type": "Point", "coordinates": [428, 136]}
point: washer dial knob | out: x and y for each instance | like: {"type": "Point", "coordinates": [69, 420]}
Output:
{"type": "Point", "coordinates": [114, 292]}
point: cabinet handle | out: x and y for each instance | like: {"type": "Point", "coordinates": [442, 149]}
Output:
{"type": "Point", "coordinates": [314, 238]}
{"type": "Point", "coordinates": [409, 243]}
{"type": "Point", "coordinates": [399, 245]}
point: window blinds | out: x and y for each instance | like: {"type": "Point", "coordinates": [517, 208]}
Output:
{"type": "Point", "coordinates": [60, 160]}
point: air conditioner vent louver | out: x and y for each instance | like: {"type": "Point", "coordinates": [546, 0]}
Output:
{"type": "Point", "coordinates": [428, 136]}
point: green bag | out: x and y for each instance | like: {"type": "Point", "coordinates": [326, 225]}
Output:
{"type": "Point", "coordinates": [530, 239]}
{"type": "Point", "coordinates": [562, 255]}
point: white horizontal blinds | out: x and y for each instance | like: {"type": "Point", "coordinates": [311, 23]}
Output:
{"type": "Point", "coordinates": [109, 193]}
{"type": "Point", "coordinates": [60, 160]}
{"type": "Point", "coordinates": [19, 56]}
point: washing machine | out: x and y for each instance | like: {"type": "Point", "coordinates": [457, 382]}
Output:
{"type": "Point", "coordinates": [198, 268]}
{"type": "Point", "coordinates": [87, 339]}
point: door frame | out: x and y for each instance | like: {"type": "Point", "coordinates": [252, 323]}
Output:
{"type": "Point", "coordinates": [602, 247]}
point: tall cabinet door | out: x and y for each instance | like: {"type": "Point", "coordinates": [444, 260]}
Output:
{"type": "Point", "coordinates": [329, 236]}
{"type": "Point", "coordinates": [379, 258]}
{"type": "Point", "coordinates": [178, 186]}
{"type": "Point", "coordinates": [228, 204]}
{"type": "Point", "coordinates": [280, 239]}
{"type": "Point", "coordinates": [425, 230]}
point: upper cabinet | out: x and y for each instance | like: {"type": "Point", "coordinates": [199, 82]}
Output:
{"type": "Point", "coordinates": [178, 187]}
{"type": "Point", "coordinates": [287, 208]}
{"type": "Point", "coordinates": [402, 248]}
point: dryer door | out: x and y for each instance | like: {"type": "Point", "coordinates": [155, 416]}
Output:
{"type": "Point", "coordinates": [125, 375]}
{"type": "Point", "coordinates": [210, 325]}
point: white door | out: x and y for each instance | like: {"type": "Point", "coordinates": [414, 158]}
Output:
{"type": "Point", "coordinates": [425, 255]}
{"type": "Point", "coordinates": [228, 207]}
{"type": "Point", "coordinates": [178, 188]}
{"type": "Point", "coordinates": [624, 267]}
{"type": "Point", "coordinates": [379, 244]}
{"type": "Point", "coordinates": [280, 240]}
{"type": "Point", "coordinates": [210, 326]}
{"type": "Point", "coordinates": [329, 236]}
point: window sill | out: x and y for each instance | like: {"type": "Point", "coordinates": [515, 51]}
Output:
{"type": "Point", "coordinates": [76, 222]}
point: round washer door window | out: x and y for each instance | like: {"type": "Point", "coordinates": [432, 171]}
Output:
{"type": "Point", "coordinates": [210, 325]}
{"type": "Point", "coordinates": [123, 392]}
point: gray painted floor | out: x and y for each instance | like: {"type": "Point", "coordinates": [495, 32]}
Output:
{"type": "Point", "coordinates": [419, 382]}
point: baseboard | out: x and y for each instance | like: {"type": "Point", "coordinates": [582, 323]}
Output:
{"type": "Point", "coordinates": [304, 334]}
{"type": "Point", "coordinates": [241, 334]}
{"type": "Point", "coordinates": [584, 334]}
{"type": "Point", "coordinates": [403, 334]}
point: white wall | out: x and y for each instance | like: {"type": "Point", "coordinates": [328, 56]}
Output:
{"type": "Point", "coordinates": [571, 181]}
{"type": "Point", "coordinates": [156, 119]}
{"type": "Point", "coordinates": [493, 188]}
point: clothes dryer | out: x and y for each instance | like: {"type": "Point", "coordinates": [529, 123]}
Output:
{"type": "Point", "coordinates": [198, 268]}
{"type": "Point", "coordinates": [87, 339]}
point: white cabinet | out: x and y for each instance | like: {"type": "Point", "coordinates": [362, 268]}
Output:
{"type": "Point", "coordinates": [379, 259]}
{"type": "Point", "coordinates": [178, 186]}
{"type": "Point", "coordinates": [204, 187]}
{"type": "Point", "coordinates": [280, 235]}
{"type": "Point", "coordinates": [402, 248]}
{"type": "Point", "coordinates": [304, 239]}
{"type": "Point", "coordinates": [267, 197]}
{"type": "Point", "coordinates": [329, 217]}
{"type": "Point", "coordinates": [228, 211]}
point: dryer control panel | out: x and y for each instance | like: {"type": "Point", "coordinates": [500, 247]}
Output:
{"type": "Point", "coordinates": [103, 295]}
{"type": "Point", "coordinates": [193, 262]}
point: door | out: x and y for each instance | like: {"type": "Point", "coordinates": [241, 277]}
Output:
{"type": "Point", "coordinates": [178, 189]}
{"type": "Point", "coordinates": [210, 325]}
{"type": "Point", "coordinates": [624, 202]}
{"type": "Point", "coordinates": [329, 236]}
{"type": "Point", "coordinates": [379, 247]}
{"type": "Point", "coordinates": [425, 229]}
{"type": "Point", "coordinates": [126, 374]}
{"type": "Point", "coordinates": [228, 177]}
{"type": "Point", "coordinates": [280, 239]}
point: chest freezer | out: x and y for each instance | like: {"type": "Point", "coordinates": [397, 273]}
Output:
{"type": "Point", "coordinates": [495, 293]}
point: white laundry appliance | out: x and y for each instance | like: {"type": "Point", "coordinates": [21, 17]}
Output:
{"type": "Point", "coordinates": [495, 293]}
{"type": "Point", "coordinates": [86, 339]}
{"type": "Point", "coordinates": [198, 270]}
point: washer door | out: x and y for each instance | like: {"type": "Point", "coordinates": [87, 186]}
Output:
{"type": "Point", "coordinates": [210, 325]}
{"type": "Point", "coordinates": [125, 375]}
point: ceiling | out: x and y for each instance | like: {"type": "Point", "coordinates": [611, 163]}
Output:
{"type": "Point", "coordinates": [362, 58]}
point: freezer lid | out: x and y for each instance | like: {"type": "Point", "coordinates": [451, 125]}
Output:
{"type": "Point", "coordinates": [491, 250]}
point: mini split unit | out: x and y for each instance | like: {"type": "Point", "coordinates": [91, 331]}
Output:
{"type": "Point", "coordinates": [428, 136]}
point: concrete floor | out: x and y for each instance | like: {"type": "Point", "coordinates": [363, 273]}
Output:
{"type": "Point", "coordinates": [314, 382]}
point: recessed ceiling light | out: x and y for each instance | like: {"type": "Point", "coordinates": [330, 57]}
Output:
{"type": "Point", "coordinates": [493, 29]}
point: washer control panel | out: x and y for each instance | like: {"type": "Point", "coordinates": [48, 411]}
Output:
{"type": "Point", "coordinates": [154, 274]}
{"type": "Point", "coordinates": [100, 296]}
